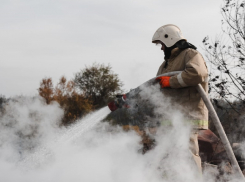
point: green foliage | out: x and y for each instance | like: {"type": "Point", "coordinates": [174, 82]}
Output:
{"type": "Point", "coordinates": [98, 83]}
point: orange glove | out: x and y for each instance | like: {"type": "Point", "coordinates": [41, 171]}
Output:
{"type": "Point", "coordinates": [164, 81]}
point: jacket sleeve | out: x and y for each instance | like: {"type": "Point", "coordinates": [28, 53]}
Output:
{"type": "Point", "coordinates": [195, 71]}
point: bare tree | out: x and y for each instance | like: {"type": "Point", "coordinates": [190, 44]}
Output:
{"type": "Point", "coordinates": [227, 54]}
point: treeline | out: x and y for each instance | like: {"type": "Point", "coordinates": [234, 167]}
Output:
{"type": "Point", "coordinates": [3, 100]}
{"type": "Point", "coordinates": [91, 89]}
{"type": "Point", "coordinates": [76, 105]}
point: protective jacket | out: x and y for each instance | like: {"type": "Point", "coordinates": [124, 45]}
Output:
{"type": "Point", "coordinates": [183, 92]}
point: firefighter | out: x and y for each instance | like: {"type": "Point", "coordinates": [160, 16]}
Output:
{"type": "Point", "coordinates": [182, 56]}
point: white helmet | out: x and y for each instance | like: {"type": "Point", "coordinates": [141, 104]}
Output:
{"type": "Point", "coordinates": [168, 34]}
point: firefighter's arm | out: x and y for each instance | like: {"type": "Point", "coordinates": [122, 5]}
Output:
{"type": "Point", "coordinates": [194, 73]}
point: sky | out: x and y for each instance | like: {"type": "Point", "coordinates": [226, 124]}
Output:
{"type": "Point", "coordinates": [48, 38]}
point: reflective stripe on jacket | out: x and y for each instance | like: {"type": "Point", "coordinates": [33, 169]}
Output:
{"type": "Point", "coordinates": [183, 92]}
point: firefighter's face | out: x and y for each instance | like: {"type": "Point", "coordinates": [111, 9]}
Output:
{"type": "Point", "coordinates": [160, 44]}
{"type": "Point", "coordinates": [163, 47]}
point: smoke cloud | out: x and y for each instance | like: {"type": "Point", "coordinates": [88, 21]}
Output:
{"type": "Point", "coordinates": [34, 148]}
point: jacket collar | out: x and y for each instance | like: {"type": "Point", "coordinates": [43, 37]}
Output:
{"type": "Point", "coordinates": [175, 52]}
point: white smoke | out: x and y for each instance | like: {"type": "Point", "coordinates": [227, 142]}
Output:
{"type": "Point", "coordinates": [25, 124]}
{"type": "Point", "coordinates": [34, 148]}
